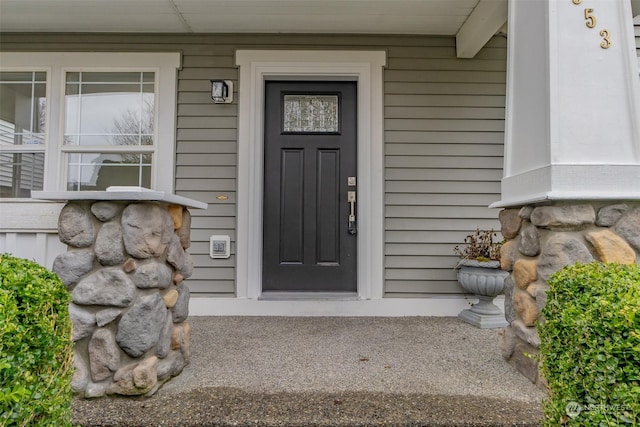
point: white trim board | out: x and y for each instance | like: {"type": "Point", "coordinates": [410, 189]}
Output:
{"type": "Point", "coordinates": [435, 306]}
{"type": "Point", "coordinates": [565, 182]}
{"type": "Point", "coordinates": [29, 216]}
{"type": "Point", "coordinates": [364, 67]}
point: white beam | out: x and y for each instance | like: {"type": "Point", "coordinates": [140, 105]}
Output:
{"type": "Point", "coordinates": [485, 20]}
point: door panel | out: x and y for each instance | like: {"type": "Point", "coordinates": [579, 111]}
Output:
{"type": "Point", "coordinates": [291, 207]}
{"type": "Point", "coordinates": [310, 151]}
{"type": "Point", "coordinates": [328, 212]}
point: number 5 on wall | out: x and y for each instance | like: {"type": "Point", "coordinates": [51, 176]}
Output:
{"type": "Point", "coordinates": [591, 19]}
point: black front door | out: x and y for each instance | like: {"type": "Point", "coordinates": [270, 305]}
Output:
{"type": "Point", "coordinates": [309, 242]}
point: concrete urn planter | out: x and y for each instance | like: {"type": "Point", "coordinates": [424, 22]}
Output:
{"type": "Point", "coordinates": [486, 281]}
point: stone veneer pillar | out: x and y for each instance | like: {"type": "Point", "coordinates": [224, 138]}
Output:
{"type": "Point", "coordinates": [125, 268]}
{"type": "Point", "coordinates": [571, 151]}
{"type": "Point", "coordinates": [540, 241]}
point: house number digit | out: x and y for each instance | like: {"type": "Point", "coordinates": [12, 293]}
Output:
{"type": "Point", "coordinates": [606, 43]}
{"type": "Point", "coordinates": [591, 20]}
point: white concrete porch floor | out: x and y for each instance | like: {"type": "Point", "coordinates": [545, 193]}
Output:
{"type": "Point", "coordinates": [397, 355]}
{"type": "Point", "coordinates": [334, 371]}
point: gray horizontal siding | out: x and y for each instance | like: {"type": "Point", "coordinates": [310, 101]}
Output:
{"type": "Point", "coordinates": [443, 143]}
{"type": "Point", "coordinates": [206, 158]}
{"type": "Point", "coordinates": [444, 124]}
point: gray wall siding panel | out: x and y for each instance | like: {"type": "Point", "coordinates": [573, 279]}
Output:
{"type": "Point", "coordinates": [434, 199]}
{"type": "Point", "coordinates": [444, 123]}
{"type": "Point", "coordinates": [439, 101]}
{"type": "Point", "coordinates": [426, 88]}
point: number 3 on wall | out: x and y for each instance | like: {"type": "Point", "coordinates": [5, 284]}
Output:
{"type": "Point", "coordinates": [606, 43]}
{"type": "Point", "coordinates": [592, 22]}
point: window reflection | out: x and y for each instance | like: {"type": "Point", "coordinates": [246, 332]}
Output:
{"type": "Point", "coordinates": [109, 109]}
{"type": "Point", "coordinates": [20, 173]}
{"type": "Point", "coordinates": [97, 171]}
{"type": "Point", "coordinates": [23, 110]}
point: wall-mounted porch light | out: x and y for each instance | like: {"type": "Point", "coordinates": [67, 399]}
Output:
{"type": "Point", "coordinates": [222, 91]}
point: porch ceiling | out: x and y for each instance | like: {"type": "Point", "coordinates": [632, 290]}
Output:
{"type": "Point", "coordinates": [473, 22]}
{"type": "Point", "coordinates": [436, 17]}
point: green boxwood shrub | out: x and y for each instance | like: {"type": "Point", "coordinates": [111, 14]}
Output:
{"type": "Point", "coordinates": [590, 346]}
{"type": "Point", "coordinates": [35, 346]}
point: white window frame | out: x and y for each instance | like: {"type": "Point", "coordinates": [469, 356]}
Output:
{"type": "Point", "coordinates": [56, 64]}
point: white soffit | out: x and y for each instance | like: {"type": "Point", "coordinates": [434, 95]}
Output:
{"type": "Point", "coordinates": [433, 17]}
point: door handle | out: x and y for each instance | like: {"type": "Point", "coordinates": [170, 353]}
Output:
{"type": "Point", "coordinates": [351, 224]}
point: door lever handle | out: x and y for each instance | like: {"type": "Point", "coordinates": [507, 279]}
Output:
{"type": "Point", "coordinates": [351, 224]}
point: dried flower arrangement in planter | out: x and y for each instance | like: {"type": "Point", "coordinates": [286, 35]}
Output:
{"type": "Point", "coordinates": [481, 249]}
{"type": "Point", "coordinates": [479, 273]}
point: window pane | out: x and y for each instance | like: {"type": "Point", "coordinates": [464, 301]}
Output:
{"type": "Point", "coordinates": [109, 109]}
{"type": "Point", "coordinates": [20, 173]}
{"type": "Point", "coordinates": [23, 108]}
{"type": "Point", "coordinates": [22, 76]}
{"type": "Point", "coordinates": [111, 77]}
{"type": "Point", "coordinates": [103, 140]}
{"type": "Point", "coordinates": [73, 77]}
{"type": "Point", "coordinates": [97, 171]}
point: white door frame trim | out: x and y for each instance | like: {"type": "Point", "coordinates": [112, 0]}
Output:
{"type": "Point", "coordinates": [365, 67]}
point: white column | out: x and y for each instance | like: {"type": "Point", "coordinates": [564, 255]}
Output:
{"type": "Point", "coordinates": [573, 102]}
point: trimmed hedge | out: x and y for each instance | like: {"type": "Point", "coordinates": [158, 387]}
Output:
{"type": "Point", "coordinates": [590, 346]}
{"type": "Point", "coordinates": [35, 346]}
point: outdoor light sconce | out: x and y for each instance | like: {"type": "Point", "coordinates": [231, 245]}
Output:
{"type": "Point", "coordinates": [222, 91]}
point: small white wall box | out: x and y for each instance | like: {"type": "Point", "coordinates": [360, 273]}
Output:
{"type": "Point", "coordinates": [220, 247]}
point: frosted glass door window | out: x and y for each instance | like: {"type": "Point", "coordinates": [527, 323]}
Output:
{"type": "Point", "coordinates": [311, 113]}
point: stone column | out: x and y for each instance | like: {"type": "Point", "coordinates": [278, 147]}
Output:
{"type": "Point", "coordinates": [571, 181]}
{"type": "Point", "coordinates": [125, 268]}
{"type": "Point", "coordinates": [543, 239]}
